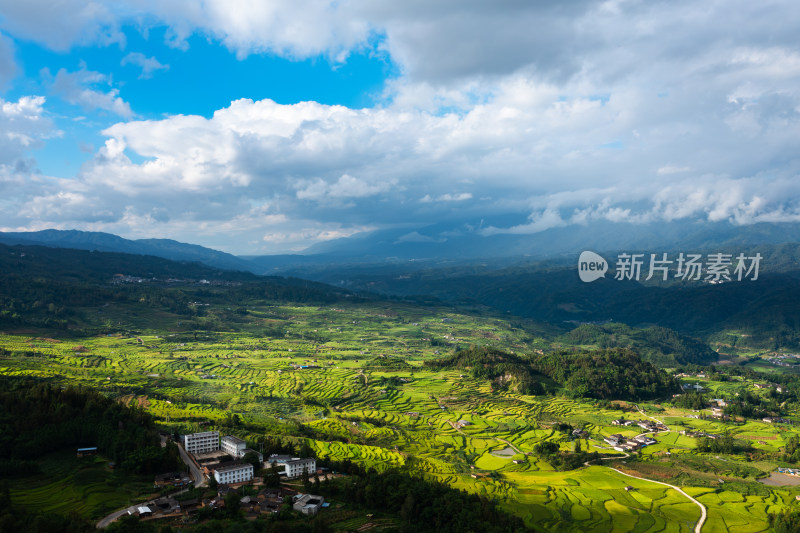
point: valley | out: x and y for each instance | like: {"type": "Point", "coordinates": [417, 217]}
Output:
{"type": "Point", "coordinates": [355, 381]}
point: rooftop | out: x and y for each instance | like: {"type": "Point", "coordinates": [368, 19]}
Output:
{"type": "Point", "coordinates": [231, 465]}
{"type": "Point", "coordinates": [296, 460]}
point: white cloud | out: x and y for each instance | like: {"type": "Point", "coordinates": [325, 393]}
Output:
{"type": "Point", "coordinates": [23, 126]}
{"type": "Point", "coordinates": [564, 112]}
{"type": "Point", "coordinates": [345, 187]}
{"type": "Point", "coordinates": [565, 156]}
{"type": "Point", "coordinates": [291, 28]}
{"type": "Point", "coordinates": [60, 25]}
{"type": "Point", "coordinates": [77, 89]}
{"type": "Point", "coordinates": [460, 197]}
{"type": "Point", "coordinates": [149, 65]}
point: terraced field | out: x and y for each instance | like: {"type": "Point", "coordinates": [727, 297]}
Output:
{"type": "Point", "coordinates": [84, 486]}
{"type": "Point", "coordinates": [325, 368]}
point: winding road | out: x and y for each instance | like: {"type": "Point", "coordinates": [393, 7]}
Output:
{"type": "Point", "coordinates": [197, 476]}
{"type": "Point", "coordinates": [703, 511]}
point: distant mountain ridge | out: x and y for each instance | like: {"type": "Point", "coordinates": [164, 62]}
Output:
{"type": "Point", "coordinates": [458, 243]}
{"type": "Point", "coordinates": [442, 241]}
{"type": "Point", "coordinates": [107, 242]}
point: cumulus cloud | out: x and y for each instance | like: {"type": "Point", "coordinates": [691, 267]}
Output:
{"type": "Point", "coordinates": [149, 65]}
{"type": "Point", "coordinates": [344, 188]}
{"type": "Point", "coordinates": [60, 25]}
{"type": "Point", "coordinates": [80, 88]}
{"type": "Point", "coordinates": [288, 27]}
{"type": "Point", "coordinates": [564, 156]}
{"type": "Point", "coordinates": [293, 28]}
{"type": "Point", "coordinates": [563, 112]}
{"type": "Point", "coordinates": [23, 126]}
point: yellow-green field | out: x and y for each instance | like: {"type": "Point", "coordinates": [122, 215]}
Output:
{"type": "Point", "coordinates": [403, 416]}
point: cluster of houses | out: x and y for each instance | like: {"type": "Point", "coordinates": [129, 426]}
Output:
{"type": "Point", "coordinates": [207, 449]}
{"type": "Point", "coordinates": [789, 471]}
{"type": "Point", "coordinates": [776, 420]}
{"type": "Point", "coordinates": [623, 444]}
{"type": "Point", "coordinates": [172, 479]}
{"type": "Point", "coordinates": [778, 388]}
{"type": "Point", "coordinates": [647, 425]}
{"type": "Point", "coordinates": [781, 359]}
{"type": "Point", "coordinates": [698, 434]}
{"type": "Point", "coordinates": [717, 405]}
{"type": "Point", "coordinates": [692, 387]}
{"type": "Point", "coordinates": [701, 375]}
{"type": "Point", "coordinates": [266, 501]}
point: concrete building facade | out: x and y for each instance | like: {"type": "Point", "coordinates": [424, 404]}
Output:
{"type": "Point", "coordinates": [296, 467]}
{"type": "Point", "coordinates": [233, 446]}
{"type": "Point", "coordinates": [207, 441]}
{"type": "Point", "coordinates": [234, 473]}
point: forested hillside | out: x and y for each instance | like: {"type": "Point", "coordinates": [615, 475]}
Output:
{"type": "Point", "coordinates": [38, 418]}
{"type": "Point", "coordinates": [46, 287]}
{"type": "Point", "coordinates": [655, 344]}
{"type": "Point", "coordinates": [603, 374]}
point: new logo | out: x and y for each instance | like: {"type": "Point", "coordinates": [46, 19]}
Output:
{"type": "Point", "coordinates": [591, 266]}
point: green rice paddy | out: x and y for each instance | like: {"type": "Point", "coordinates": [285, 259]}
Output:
{"type": "Point", "coordinates": [320, 367]}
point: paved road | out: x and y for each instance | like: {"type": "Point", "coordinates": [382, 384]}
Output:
{"type": "Point", "coordinates": [105, 522]}
{"type": "Point", "coordinates": [511, 445]}
{"type": "Point", "coordinates": [703, 511]}
{"type": "Point", "coordinates": [197, 476]}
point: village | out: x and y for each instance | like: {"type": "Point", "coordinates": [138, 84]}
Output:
{"type": "Point", "coordinates": [622, 444]}
{"type": "Point", "coordinates": [229, 466]}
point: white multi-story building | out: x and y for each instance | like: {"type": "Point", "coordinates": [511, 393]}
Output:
{"type": "Point", "coordinates": [234, 473]}
{"type": "Point", "coordinates": [207, 441]}
{"type": "Point", "coordinates": [296, 467]}
{"type": "Point", "coordinates": [233, 446]}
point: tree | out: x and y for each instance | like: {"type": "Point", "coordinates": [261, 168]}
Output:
{"type": "Point", "coordinates": [272, 477]}
{"type": "Point", "coordinates": [252, 458]}
{"type": "Point", "coordinates": [232, 504]}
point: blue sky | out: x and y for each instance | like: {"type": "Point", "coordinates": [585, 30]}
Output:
{"type": "Point", "coordinates": [180, 82]}
{"type": "Point", "coordinates": [271, 126]}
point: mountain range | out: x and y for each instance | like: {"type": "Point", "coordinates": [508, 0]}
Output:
{"type": "Point", "coordinates": [437, 245]}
